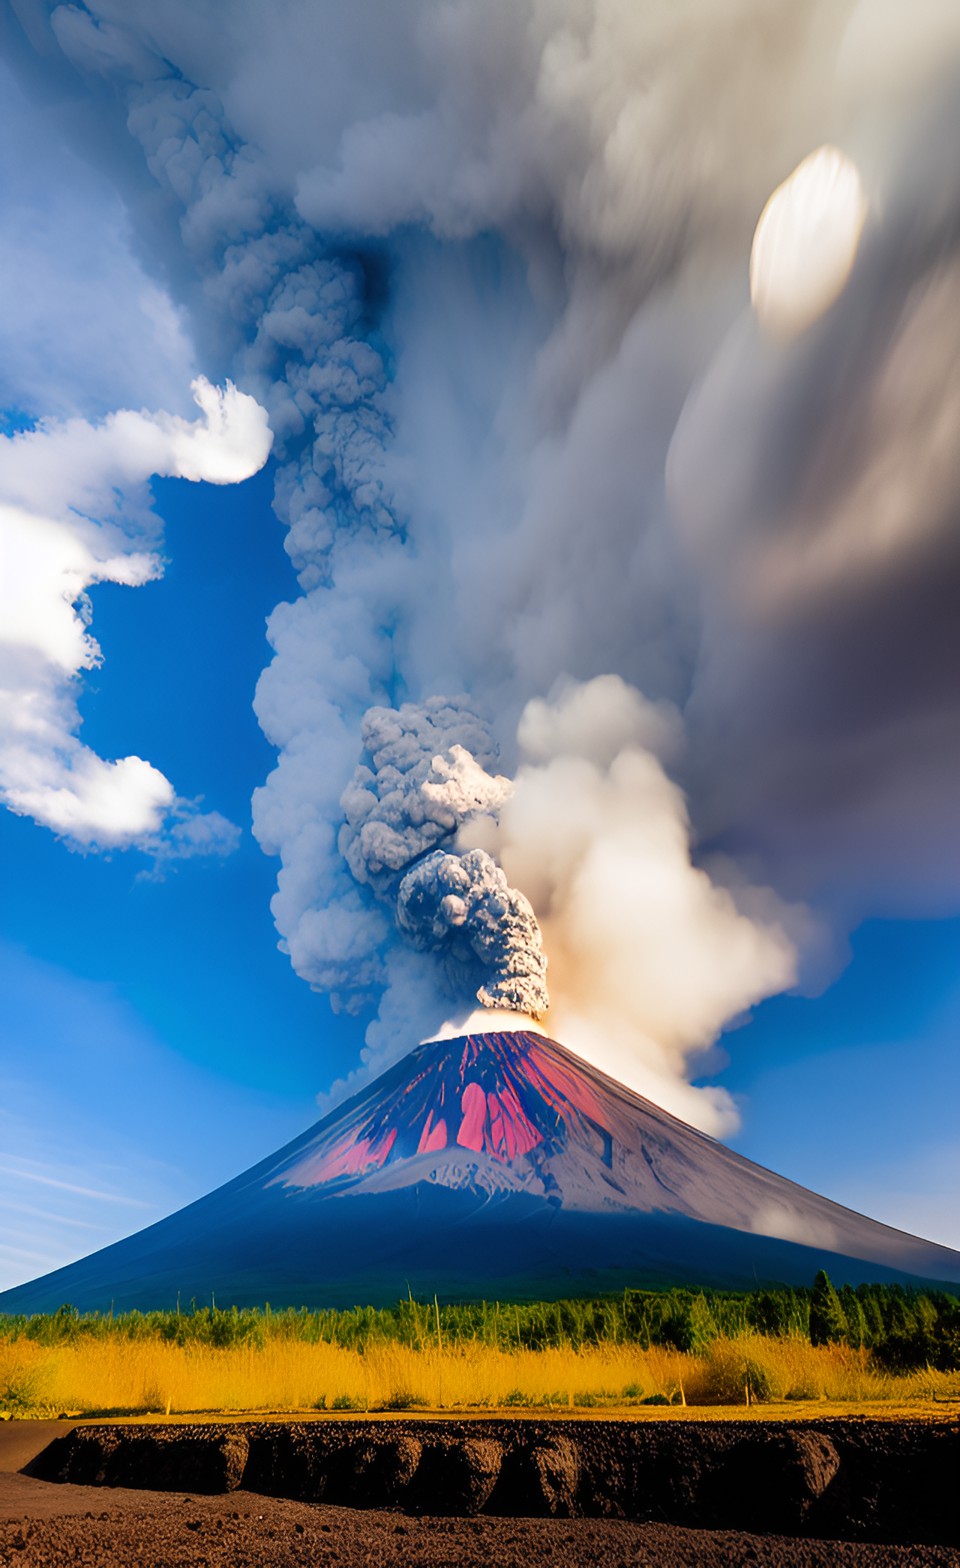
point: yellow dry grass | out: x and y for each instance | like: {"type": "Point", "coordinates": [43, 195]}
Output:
{"type": "Point", "coordinates": [151, 1375]}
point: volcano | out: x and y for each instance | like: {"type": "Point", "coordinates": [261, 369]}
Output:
{"type": "Point", "coordinates": [493, 1165]}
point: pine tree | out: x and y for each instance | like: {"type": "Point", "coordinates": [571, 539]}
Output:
{"type": "Point", "coordinates": [827, 1323]}
{"type": "Point", "coordinates": [853, 1312]}
{"type": "Point", "coordinates": [702, 1326]}
{"type": "Point", "coordinates": [872, 1314]}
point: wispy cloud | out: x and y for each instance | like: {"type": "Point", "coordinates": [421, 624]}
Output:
{"type": "Point", "coordinates": [83, 299]}
{"type": "Point", "coordinates": [18, 1171]}
{"type": "Point", "coordinates": [46, 1259]}
{"type": "Point", "coordinates": [30, 1209]}
{"type": "Point", "coordinates": [79, 1067]}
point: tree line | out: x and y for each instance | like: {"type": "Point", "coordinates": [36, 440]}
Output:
{"type": "Point", "coordinates": [904, 1327]}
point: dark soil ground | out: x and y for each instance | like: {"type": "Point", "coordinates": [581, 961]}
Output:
{"type": "Point", "coordinates": [45, 1524]}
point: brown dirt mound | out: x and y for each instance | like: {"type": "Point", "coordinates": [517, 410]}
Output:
{"type": "Point", "coordinates": [853, 1479]}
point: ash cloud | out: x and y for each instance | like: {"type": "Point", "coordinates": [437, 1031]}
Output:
{"type": "Point", "coordinates": [419, 788]}
{"type": "Point", "coordinates": [463, 908]}
{"type": "Point", "coordinates": [425, 775]}
{"type": "Point", "coordinates": [837, 527]}
{"type": "Point", "coordinates": [486, 268]}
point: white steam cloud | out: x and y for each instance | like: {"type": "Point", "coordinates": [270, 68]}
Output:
{"type": "Point", "coordinates": [486, 268]}
{"type": "Point", "coordinates": [650, 956]}
{"type": "Point", "coordinates": [73, 513]}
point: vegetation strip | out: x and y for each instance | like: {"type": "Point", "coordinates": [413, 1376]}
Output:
{"type": "Point", "coordinates": [875, 1343]}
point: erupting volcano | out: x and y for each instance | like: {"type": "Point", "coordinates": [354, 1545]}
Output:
{"type": "Point", "coordinates": [492, 1164]}
{"type": "Point", "coordinates": [502, 1096]}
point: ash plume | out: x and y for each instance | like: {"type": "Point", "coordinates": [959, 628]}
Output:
{"type": "Point", "coordinates": [463, 907]}
{"type": "Point", "coordinates": [486, 268]}
{"type": "Point", "coordinates": [418, 788]}
{"type": "Point", "coordinates": [425, 775]}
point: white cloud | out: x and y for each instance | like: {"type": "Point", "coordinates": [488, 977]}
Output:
{"type": "Point", "coordinates": [777, 1219]}
{"type": "Point", "coordinates": [74, 512]}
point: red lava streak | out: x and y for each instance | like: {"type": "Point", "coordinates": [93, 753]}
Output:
{"type": "Point", "coordinates": [500, 1095]}
{"type": "Point", "coordinates": [432, 1137]}
{"type": "Point", "coordinates": [472, 1134]}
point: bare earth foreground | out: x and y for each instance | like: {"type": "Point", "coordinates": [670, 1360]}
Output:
{"type": "Point", "coordinates": [49, 1523]}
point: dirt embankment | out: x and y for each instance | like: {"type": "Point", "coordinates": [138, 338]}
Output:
{"type": "Point", "coordinates": [853, 1480]}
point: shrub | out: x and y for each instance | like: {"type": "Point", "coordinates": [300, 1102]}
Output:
{"type": "Point", "coordinates": [403, 1399]}
{"type": "Point", "coordinates": [20, 1391]}
{"type": "Point", "coordinates": [734, 1370]}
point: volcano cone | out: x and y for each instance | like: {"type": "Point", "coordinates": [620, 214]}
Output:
{"type": "Point", "coordinates": [492, 1165]}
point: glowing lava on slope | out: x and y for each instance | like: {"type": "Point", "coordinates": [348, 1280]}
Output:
{"type": "Point", "coordinates": [502, 1095]}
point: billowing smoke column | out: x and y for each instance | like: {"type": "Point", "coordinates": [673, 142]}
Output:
{"type": "Point", "coordinates": [414, 795]}
{"type": "Point", "coordinates": [426, 774]}
{"type": "Point", "coordinates": [463, 907]}
{"type": "Point", "coordinates": [486, 267]}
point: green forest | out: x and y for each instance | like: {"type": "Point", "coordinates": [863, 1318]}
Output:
{"type": "Point", "coordinates": [904, 1327]}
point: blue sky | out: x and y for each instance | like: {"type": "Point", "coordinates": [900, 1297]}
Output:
{"type": "Point", "coordinates": [543, 499]}
{"type": "Point", "coordinates": [156, 1042]}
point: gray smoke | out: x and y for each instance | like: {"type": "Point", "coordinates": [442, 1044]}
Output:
{"type": "Point", "coordinates": [416, 789]}
{"type": "Point", "coordinates": [463, 907]}
{"type": "Point", "coordinates": [424, 775]}
{"type": "Point", "coordinates": [486, 266]}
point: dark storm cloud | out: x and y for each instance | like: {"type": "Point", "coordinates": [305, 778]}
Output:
{"type": "Point", "coordinates": [818, 488]}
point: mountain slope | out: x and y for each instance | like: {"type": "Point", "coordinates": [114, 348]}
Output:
{"type": "Point", "coordinates": [494, 1164]}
